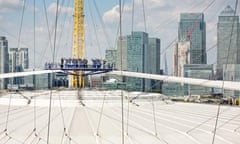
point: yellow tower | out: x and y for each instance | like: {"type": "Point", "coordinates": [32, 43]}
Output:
{"type": "Point", "coordinates": [78, 40]}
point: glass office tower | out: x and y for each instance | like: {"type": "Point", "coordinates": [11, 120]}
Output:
{"type": "Point", "coordinates": [228, 40]}
{"type": "Point", "coordinates": [193, 28]}
{"type": "Point", "coordinates": [137, 59]}
{"type": "Point", "coordinates": [139, 54]}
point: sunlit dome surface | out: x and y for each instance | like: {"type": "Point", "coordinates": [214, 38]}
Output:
{"type": "Point", "coordinates": [148, 119]}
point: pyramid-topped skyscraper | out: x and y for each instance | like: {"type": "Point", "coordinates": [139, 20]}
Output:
{"type": "Point", "coordinates": [228, 11]}
{"type": "Point", "coordinates": [228, 39]}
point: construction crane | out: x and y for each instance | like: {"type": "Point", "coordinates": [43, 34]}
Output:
{"type": "Point", "coordinates": [78, 41]}
{"type": "Point", "coordinates": [189, 32]}
{"type": "Point", "coordinates": [77, 65]}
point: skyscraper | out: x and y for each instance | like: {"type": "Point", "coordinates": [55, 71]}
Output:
{"type": "Point", "coordinates": [181, 57]}
{"type": "Point", "coordinates": [139, 54]}
{"type": "Point", "coordinates": [228, 39]}
{"type": "Point", "coordinates": [154, 55]}
{"type": "Point", "coordinates": [18, 59]}
{"type": "Point", "coordinates": [165, 64]}
{"type": "Point", "coordinates": [3, 61]}
{"type": "Point", "coordinates": [153, 60]}
{"type": "Point", "coordinates": [111, 57]}
{"type": "Point", "coordinates": [18, 62]}
{"type": "Point", "coordinates": [193, 28]}
{"type": "Point", "coordinates": [137, 59]}
{"type": "Point", "coordinates": [122, 52]}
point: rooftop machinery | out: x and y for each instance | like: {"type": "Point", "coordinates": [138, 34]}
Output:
{"type": "Point", "coordinates": [78, 41]}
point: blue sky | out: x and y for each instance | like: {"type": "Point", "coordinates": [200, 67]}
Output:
{"type": "Point", "coordinates": [162, 18]}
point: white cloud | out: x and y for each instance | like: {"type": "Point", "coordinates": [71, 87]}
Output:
{"type": "Point", "coordinates": [10, 5]}
{"type": "Point", "coordinates": [40, 29]}
{"type": "Point", "coordinates": [53, 7]}
{"type": "Point", "coordinates": [112, 15]}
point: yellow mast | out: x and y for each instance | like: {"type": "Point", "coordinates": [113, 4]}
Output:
{"type": "Point", "coordinates": [78, 40]}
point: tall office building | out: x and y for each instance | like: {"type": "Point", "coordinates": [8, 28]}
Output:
{"type": "Point", "coordinates": [122, 45]}
{"type": "Point", "coordinates": [154, 55]}
{"type": "Point", "coordinates": [137, 59]}
{"type": "Point", "coordinates": [18, 62]}
{"type": "Point", "coordinates": [154, 60]}
{"type": "Point", "coordinates": [111, 57]}
{"type": "Point", "coordinates": [165, 64]}
{"type": "Point", "coordinates": [3, 61]}
{"type": "Point", "coordinates": [111, 60]}
{"type": "Point", "coordinates": [228, 40]}
{"type": "Point", "coordinates": [181, 57]}
{"type": "Point", "coordinates": [139, 53]}
{"type": "Point", "coordinates": [18, 59]}
{"type": "Point", "coordinates": [193, 28]}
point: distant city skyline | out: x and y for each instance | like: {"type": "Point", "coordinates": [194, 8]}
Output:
{"type": "Point", "coordinates": [162, 18]}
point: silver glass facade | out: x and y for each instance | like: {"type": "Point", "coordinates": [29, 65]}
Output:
{"type": "Point", "coordinates": [122, 53]}
{"type": "Point", "coordinates": [201, 71]}
{"type": "Point", "coordinates": [111, 57]}
{"type": "Point", "coordinates": [231, 73]}
{"type": "Point", "coordinates": [4, 61]}
{"type": "Point", "coordinates": [42, 81]}
{"type": "Point", "coordinates": [154, 62]}
{"type": "Point", "coordinates": [139, 53]}
{"type": "Point", "coordinates": [111, 60]}
{"type": "Point", "coordinates": [18, 62]}
{"type": "Point", "coordinates": [18, 58]}
{"type": "Point", "coordinates": [137, 59]}
{"type": "Point", "coordinates": [228, 40]}
{"type": "Point", "coordinates": [121, 63]}
{"type": "Point", "coordinates": [154, 55]}
{"type": "Point", "coordinates": [172, 89]}
{"type": "Point", "coordinates": [192, 27]}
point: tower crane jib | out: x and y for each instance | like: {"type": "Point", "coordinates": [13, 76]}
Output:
{"type": "Point", "coordinates": [78, 40]}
